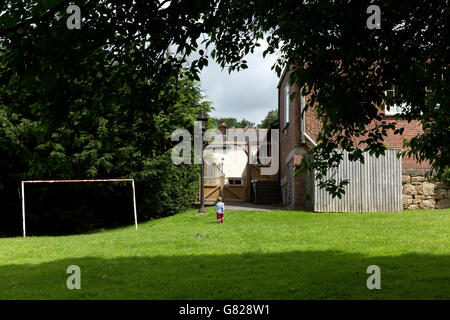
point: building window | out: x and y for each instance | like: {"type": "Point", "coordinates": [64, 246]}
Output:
{"type": "Point", "coordinates": [286, 105]}
{"type": "Point", "coordinates": [236, 181]}
{"type": "Point", "coordinates": [394, 109]}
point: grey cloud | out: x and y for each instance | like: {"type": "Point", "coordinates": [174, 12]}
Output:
{"type": "Point", "coordinates": [248, 94]}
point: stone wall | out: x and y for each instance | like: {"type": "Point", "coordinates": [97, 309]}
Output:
{"type": "Point", "coordinates": [420, 192]}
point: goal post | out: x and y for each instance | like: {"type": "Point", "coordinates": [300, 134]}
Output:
{"type": "Point", "coordinates": [23, 182]}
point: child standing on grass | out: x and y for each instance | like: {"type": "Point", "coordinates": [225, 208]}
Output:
{"type": "Point", "coordinates": [220, 210]}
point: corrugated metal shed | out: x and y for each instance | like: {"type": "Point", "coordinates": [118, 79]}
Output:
{"type": "Point", "coordinates": [375, 186]}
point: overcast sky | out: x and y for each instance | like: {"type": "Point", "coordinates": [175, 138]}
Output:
{"type": "Point", "coordinates": [249, 93]}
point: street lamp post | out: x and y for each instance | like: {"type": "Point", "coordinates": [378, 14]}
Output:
{"type": "Point", "coordinates": [202, 209]}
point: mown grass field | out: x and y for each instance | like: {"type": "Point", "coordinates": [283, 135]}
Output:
{"type": "Point", "coordinates": [253, 255]}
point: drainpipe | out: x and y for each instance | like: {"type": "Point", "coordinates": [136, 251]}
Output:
{"type": "Point", "coordinates": [303, 133]}
{"type": "Point", "coordinates": [302, 116]}
{"type": "Point", "coordinates": [310, 140]}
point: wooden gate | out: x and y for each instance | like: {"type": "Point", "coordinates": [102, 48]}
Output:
{"type": "Point", "coordinates": [229, 188]}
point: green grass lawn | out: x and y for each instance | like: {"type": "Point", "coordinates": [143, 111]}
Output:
{"type": "Point", "coordinates": [253, 255]}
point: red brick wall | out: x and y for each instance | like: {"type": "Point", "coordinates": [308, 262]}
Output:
{"type": "Point", "coordinates": [412, 129]}
{"type": "Point", "coordinates": [313, 126]}
{"type": "Point", "coordinates": [291, 139]}
{"type": "Point", "coordinates": [312, 123]}
{"type": "Point", "coordinates": [288, 136]}
{"type": "Point", "coordinates": [393, 141]}
{"type": "Point", "coordinates": [299, 187]}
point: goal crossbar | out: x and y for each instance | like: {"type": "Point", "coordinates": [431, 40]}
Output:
{"type": "Point", "coordinates": [75, 181]}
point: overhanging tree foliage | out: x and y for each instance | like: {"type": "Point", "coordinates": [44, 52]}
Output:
{"type": "Point", "coordinates": [92, 103]}
{"type": "Point", "coordinates": [346, 66]}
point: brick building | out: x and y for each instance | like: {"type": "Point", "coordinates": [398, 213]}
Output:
{"type": "Point", "coordinates": [298, 135]}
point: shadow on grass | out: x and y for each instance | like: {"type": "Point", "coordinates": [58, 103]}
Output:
{"type": "Point", "coordinates": [288, 275]}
